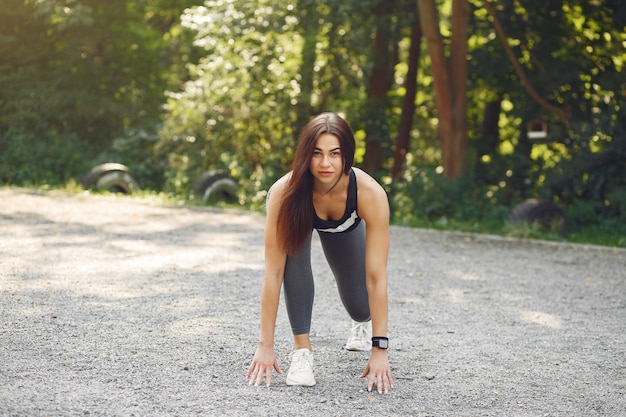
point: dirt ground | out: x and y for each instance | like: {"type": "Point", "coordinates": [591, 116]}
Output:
{"type": "Point", "coordinates": [111, 306]}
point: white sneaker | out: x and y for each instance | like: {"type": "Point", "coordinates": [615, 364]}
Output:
{"type": "Point", "coordinates": [360, 336]}
{"type": "Point", "coordinates": [301, 370]}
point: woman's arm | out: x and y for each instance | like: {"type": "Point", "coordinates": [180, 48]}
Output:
{"type": "Point", "coordinates": [373, 208]}
{"type": "Point", "coordinates": [265, 359]}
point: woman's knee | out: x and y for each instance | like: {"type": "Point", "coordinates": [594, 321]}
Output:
{"type": "Point", "coordinates": [360, 315]}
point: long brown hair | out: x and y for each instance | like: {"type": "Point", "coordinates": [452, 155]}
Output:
{"type": "Point", "coordinates": [295, 216]}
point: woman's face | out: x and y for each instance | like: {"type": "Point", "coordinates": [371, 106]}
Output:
{"type": "Point", "coordinates": [327, 160]}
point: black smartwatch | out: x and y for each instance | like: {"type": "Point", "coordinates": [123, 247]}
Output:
{"type": "Point", "coordinates": [380, 342]}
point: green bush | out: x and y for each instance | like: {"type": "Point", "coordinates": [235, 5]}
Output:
{"type": "Point", "coordinates": [136, 150]}
{"type": "Point", "coordinates": [49, 160]}
{"type": "Point", "coordinates": [581, 214]}
{"type": "Point", "coordinates": [617, 205]}
{"type": "Point", "coordinates": [426, 198]}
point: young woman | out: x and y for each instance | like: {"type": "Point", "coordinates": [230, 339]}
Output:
{"type": "Point", "coordinates": [350, 212]}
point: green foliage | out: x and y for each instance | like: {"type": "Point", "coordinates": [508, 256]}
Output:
{"type": "Point", "coordinates": [135, 149]}
{"type": "Point", "coordinates": [236, 111]}
{"type": "Point", "coordinates": [268, 67]}
{"type": "Point", "coordinates": [428, 200]}
{"type": "Point", "coordinates": [529, 230]}
{"type": "Point", "coordinates": [582, 213]}
{"type": "Point", "coordinates": [572, 55]}
{"type": "Point", "coordinates": [173, 88]}
{"type": "Point", "coordinates": [426, 197]}
{"type": "Point", "coordinates": [81, 73]}
{"type": "Point", "coordinates": [617, 205]}
{"type": "Point", "coordinates": [40, 159]}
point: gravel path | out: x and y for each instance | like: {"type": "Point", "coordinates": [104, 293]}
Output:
{"type": "Point", "coordinates": [111, 306]}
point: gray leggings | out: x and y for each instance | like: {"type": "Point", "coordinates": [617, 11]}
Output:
{"type": "Point", "coordinates": [345, 253]}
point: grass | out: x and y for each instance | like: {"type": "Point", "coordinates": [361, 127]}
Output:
{"type": "Point", "coordinates": [592, 235]}
{"type": "Point", "coordinates": [589, 235]}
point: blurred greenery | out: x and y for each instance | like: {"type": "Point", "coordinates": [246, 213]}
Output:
{"type": "Point", "coordinates": [173, 88]}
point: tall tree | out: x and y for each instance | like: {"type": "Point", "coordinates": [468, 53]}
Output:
{"type": "Point", "coordinates": [309, 30]}
{"type": "Point", "coordinates": [559, 61]}
{"type": "Point", "coordinates": [95, 69]}
{"type": "Point", "coordinates": [380, 81]}
{"type": "Point", "coordinates": [408, 103]}
{"type": "Point", "coordinates": [450, 81]}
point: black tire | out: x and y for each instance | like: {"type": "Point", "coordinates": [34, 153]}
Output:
{"type": "Point", "coordinates": [215, 185]}
{"type": "Point", "coordinates": [543, 212]}
{"type": "Point", "coordinates": [111, 177]}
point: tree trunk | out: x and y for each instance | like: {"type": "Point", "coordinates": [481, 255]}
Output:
{"type": "Point", "coordinates": [408, 106]}
{"type": "Point", "coordinates": [489, 139]}
{"type": "Point", "coordinates": [450, 81]}
{"type": "Point", "coordinates": [309, 31]}
{"type": "Point", "coordinates": [376, 128]}
{"type": "Point", "coordinates": [458, 69]}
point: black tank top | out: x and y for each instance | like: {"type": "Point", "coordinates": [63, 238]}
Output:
{"type": "Point", "coordinates": [350, 218]}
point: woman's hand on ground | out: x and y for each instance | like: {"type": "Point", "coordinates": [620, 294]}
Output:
{"type": "Point", "coordinates": [378, 371]}
{"type": "Point", "coordinates": [263, 363]}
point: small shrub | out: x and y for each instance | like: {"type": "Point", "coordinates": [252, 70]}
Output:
{"type": "Point", "coordinates": [47, 160]}
{"type": "Point", "coordinates": [581, 214]}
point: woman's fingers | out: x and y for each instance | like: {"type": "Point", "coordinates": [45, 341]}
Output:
{"type": "Point", "coordinates": [257, 371]}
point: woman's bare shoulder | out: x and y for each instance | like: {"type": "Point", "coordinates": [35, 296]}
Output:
{"type": "Point", "coordinates": [367, 184]}
{"type": "Point", "coordinates": [372, 199]}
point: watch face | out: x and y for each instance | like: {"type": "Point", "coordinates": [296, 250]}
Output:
{"type": "Point", "coordinates": [381, 343]}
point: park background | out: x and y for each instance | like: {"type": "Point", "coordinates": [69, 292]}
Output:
{"type": "Point", "coordinates": [461, 109]}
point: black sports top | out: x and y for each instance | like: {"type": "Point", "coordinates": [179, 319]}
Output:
{"type": "Point", "coordinates": [350, 218]}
